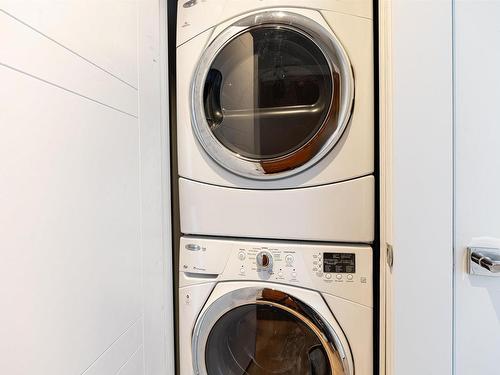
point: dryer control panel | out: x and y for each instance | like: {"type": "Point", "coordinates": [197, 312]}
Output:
{"type": "Point", "coordinates": [341, 270]}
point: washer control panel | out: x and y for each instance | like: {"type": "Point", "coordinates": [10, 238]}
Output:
{"type": "Point", "coordinates": [336, 266]}
{"type": "Point", "coordinates": [343, 270]}
{"type": "Point", "coordinates": [264, 262]}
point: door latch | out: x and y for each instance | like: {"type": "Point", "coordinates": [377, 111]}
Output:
{"type": "Point", "coordinates": [484, 261]}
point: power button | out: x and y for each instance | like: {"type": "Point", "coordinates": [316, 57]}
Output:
{"type": "Point", "coordinates": [190, 3]}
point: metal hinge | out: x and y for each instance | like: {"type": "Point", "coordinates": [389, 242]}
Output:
{"type": "Point", "coordinates": [389, 255]}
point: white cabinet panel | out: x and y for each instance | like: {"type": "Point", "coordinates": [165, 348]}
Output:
{"type": "Point", "coordinates": [103, 32]}
{"type": "Point", "coordinates": [70, 275]}
{"type": "Point", "coordinates": [38, 56]}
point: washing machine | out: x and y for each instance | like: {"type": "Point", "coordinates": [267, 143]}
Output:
{"type": "Point", "coordinates": [272, 307]}
{"type": "Point", "coordinates": [275, 119]}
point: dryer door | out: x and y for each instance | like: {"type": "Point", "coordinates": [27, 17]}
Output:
{"type": "Point", "coordinates": [272, 95]}
{"type": "Point", "coordinates": [264, 331]}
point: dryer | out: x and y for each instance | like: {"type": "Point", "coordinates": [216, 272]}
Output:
{"type": "Point", "coordinates": [275, 119]}
{"type": "Point", "coordinates": [248, 307]}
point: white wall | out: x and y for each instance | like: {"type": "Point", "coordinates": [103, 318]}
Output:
{"type": "Point", "coordinates": [81, 238]}
{"type": "Point", "coordinates": [422, 186]}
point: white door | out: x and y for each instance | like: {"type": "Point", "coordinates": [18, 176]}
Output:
{"type": "Point", "coordinates": [477, 183]}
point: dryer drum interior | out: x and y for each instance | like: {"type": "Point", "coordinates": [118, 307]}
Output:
{"type": "Point", "coordinates": [272, 95]}
{"type": "Point", "coordinates": [273, 333]}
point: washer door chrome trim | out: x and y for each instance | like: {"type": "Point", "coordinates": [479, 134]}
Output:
{"type": "Point", "coordinates": [324, 331]}
{"type": "Point", "coordinates": [329, 133]}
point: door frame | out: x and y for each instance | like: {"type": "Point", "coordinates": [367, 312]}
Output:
{"type": "Point", "coordinates": [416, 155]}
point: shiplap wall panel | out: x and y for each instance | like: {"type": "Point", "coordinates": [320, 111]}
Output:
{"type": "Point", "coordinates": [102, 31]}
{"type": "Point", "coordinates": [84, 137]}
{"type": "Point", "coordinates": [119, 353]}
{"type": "Point", "coordinates": [134, 365]}
{"type": "Point", "coordinates": [37, 55]}
{"type": "Point", "coordinates": [70, 276]}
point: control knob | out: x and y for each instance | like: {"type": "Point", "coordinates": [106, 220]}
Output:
{"type": "Point", "coordinates": [265, 260]}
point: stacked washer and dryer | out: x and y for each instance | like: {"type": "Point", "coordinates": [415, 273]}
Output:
{"type": "Point", "coordinates": [275, 137]}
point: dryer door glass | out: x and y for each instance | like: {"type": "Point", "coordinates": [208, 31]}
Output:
{"type": "Point", "coordinates": [267, 93]}
{"type": "Point", "coordinates": [271, 95]}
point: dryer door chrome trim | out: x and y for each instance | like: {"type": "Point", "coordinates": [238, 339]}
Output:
{"type": "Point", "coordinates": [327, 337]}
{"type": "Point", "coordinates": [337, 113]}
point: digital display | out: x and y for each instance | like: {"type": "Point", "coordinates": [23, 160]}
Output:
{"type": "Point", "coordinates": [339, 262]}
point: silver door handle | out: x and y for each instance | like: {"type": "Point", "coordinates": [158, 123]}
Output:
{"type": "Point", "coordinates": [484, 261]}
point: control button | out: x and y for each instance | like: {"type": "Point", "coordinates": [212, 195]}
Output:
{"type": "Point", "coordinates": [319, 274]}
{"type": "Point", "coordinates": [280, 274]}
{"type": "Point", "coordinates": [289, 259]}
{"type": "Point", "coordinates": [349, 277]}
{"type": "Point", "coordinates": [294, 274]}
{"type": "Point", "coordinates": [242, 270]}
{"type": "Point", "coordinates": [192, 247]}
{"type": "Point", "coordinates": [339, 277]}
{"type": "Point", "coordinates": [190, 3]}
{"type": "Point", "coordinates": [328, 276]}
{"type": "Point", "coordinates": [315, 269]}
{"type": "Point", "coordinates": [241, 255]}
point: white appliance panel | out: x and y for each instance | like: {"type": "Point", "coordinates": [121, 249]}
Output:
{"type": "Point", "coordinates": [295, 264]}
{"type": "Point", "coordinates": [342, 212]}
{"type": "Point", "coordinates": [193, 19]}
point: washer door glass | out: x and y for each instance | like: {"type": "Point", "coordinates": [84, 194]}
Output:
{"type": "Point", "coordinates": [265, 332]}
{"type": "Point", "coordinates": [262, 339]}
{"type": "Point", "coordinates": [267, 93]}
{"type": "Point", "coordinates": [271, 95]}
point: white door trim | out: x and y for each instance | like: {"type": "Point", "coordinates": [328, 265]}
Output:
{"type": "Point", "coordinates": [421, 66]}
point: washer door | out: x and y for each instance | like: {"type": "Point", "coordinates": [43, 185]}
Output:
{"type": "Point", "coordinates": [272, 95]}
{"type": "Point", "coordinates": [261, 331]}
